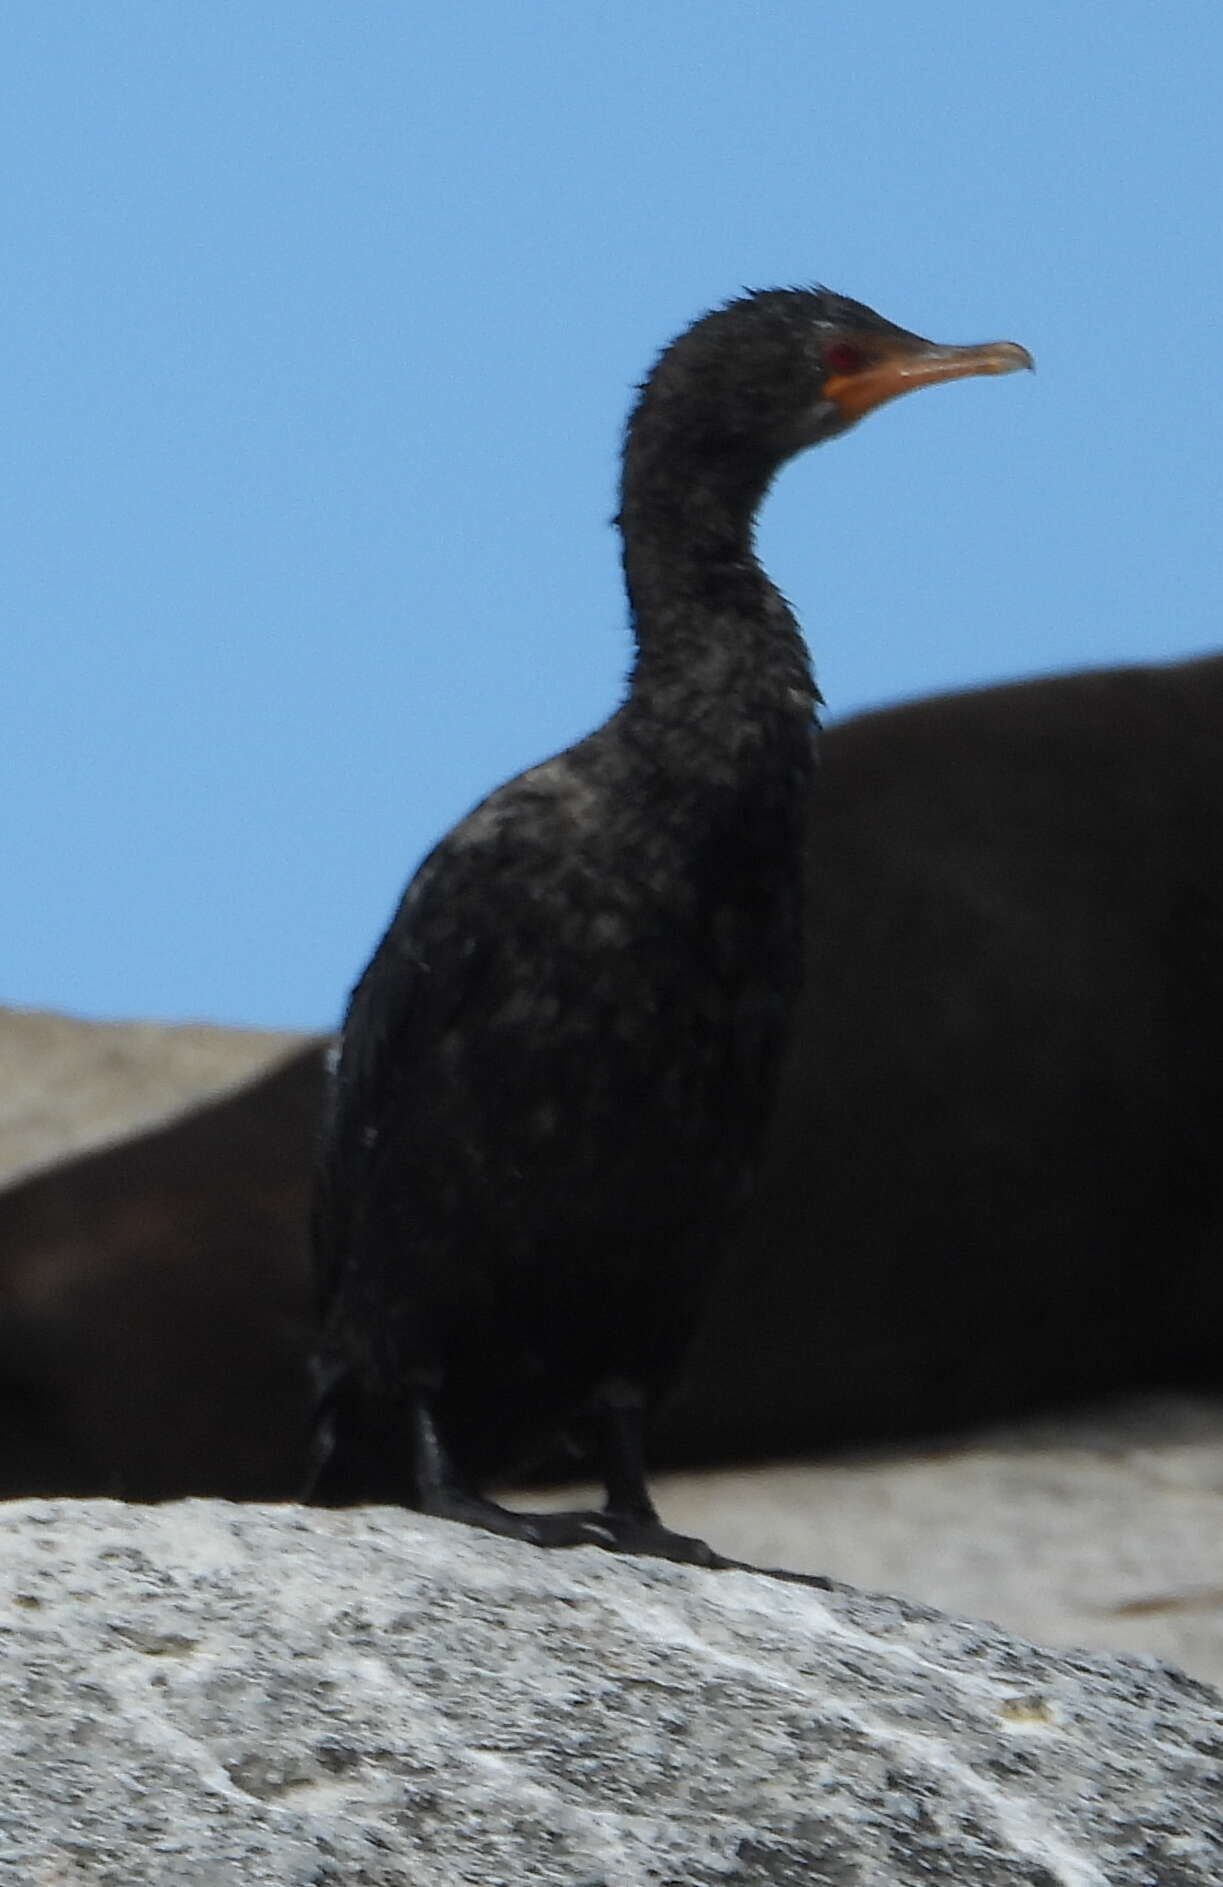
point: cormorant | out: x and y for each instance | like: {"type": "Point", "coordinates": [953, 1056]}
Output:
{"type": "Point", "coordinates": [556, 1072]}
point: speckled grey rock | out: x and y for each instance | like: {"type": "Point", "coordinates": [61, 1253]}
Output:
{"type": "Point", "coordinates": [201, 1693]}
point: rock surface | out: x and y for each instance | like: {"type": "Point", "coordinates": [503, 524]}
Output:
{"type": "Point", "coordinates": [1100, 1528]}
{"type": "Point", "coordinates": [203, 1694]}
{"type": "Point", "coordinates": [68, 1084]}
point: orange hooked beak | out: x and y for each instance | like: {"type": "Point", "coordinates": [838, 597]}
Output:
{"type": "Point", "coordinates": [901, 363]}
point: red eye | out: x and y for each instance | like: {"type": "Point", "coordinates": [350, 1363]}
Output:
{"type": "Point", "coordinates": [843, 357]}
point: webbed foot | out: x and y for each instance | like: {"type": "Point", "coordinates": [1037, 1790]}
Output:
{"type": "Point", "coordinates": [535, 1529]}
{"type": "Point", "coordinates": [650, 1539]}
{"type": "Point", "coordinates": [615, 1533]}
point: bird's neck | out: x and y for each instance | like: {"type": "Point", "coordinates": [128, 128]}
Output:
{"type": "Point", "coordinates": [683, 514]}
{"type": "Point", "coordinates": [718, 723]}
{"type": "Point", "coordinates": [718, 649]}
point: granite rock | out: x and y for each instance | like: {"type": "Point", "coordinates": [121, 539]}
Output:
{"type": "Point", "coordinates": [203, 1693]}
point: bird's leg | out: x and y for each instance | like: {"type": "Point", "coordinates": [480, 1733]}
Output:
{"type": "Point", "coordinates": [629, 1523]}
{"type": "Point", "coordinates": [619, 1413]}
{"type": "Point", "coordinates": [442, 1490]}
{"type": "Point", "coordinates": [630, 1512]}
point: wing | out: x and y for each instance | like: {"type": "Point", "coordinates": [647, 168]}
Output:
{"type": "Point", "coordinates": [459, 972]}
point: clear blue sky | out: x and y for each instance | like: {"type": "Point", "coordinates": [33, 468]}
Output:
{"type": "Point", "coordinates": [319, 327]}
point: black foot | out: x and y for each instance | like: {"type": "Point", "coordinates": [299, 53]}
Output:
{"type": "Point", "coordinates": [561, 1529]}
{"type": "Point", "coordinates": [652, 1540]}
{"type": "Point", "coordinates": [628, 1524]}
{"type": "Point", "coordinates": [615, 1533]}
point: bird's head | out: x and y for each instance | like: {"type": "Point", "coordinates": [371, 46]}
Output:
{"type": "Point", "coordinates": [781, 369]}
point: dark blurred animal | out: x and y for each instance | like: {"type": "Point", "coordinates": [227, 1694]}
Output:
{"type": "Point", "coordinates": [995, 1178]}
{"type": "Point", "coordinates": [155, 1310]}
{"type": "Point", "coordinates": [993, 1182]}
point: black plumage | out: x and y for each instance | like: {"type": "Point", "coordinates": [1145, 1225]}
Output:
{"type": "Point", "coordinates": [556, 1072]}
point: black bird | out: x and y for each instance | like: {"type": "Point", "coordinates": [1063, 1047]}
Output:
{"type": "Point", "coordinates": [556, 1072]}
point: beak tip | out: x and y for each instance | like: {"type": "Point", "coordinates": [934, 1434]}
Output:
{"type": "Point", "coordinates": [1014, 359]}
